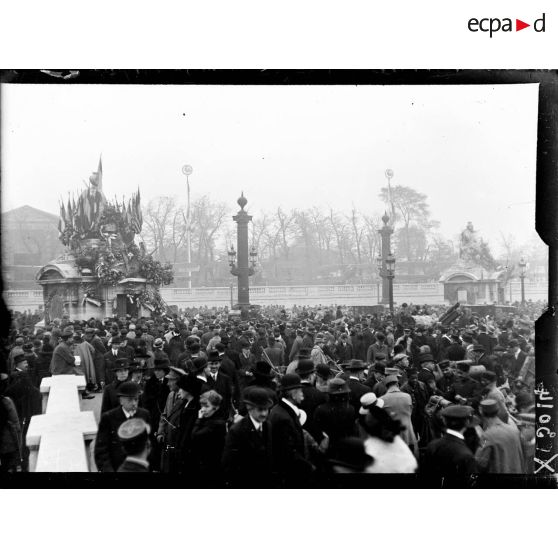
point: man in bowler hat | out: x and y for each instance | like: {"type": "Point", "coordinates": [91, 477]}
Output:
{"type": "Point", "coordinates": [109, 453]}
{"type": "Point", "coordinates": [286, 431]}
{"type": "Point", "coordinates": [247, 457]}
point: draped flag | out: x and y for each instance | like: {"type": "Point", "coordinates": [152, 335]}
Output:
{"type": "Point", "coordinates": [100, 173]}
{"type": "Point", "coordinates": [135, 213]}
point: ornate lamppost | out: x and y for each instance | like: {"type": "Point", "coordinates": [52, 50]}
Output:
{"type": "Point", "coordinates": [522, 269]}
{"type": "Point", "coordinates": [385, 232]}
{"type": "Point", "coordinates": [390, 269]}
{"type": "Point", "coordinates": [246, 263]}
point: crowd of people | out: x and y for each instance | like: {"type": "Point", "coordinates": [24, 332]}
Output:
{"type": "Point", "coordinates": [289, 398]}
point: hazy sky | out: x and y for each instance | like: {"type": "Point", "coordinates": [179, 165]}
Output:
{"type": "Point", "coordinates": [471, 149]}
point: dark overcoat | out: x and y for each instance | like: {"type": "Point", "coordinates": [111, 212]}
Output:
{"type": "Point", "coordinates": [288, 446]}
{"type": "Point", "coordinates": [449, 463]}
{"type": "Point", "coordinates": [247, 457]}
{"type": "Point", "coordinates": [109, 453]}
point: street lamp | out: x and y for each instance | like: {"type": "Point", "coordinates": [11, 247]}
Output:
{"type": "Point", "coordinates": [390, 269]}
{"type": "Point", "coordinates": [253, 257]}
{"type": "Point", "coordinates": [232, 256]}
{"type": "Point", "coordinates": [380, 275]}
{"type": "Point", "coordinates": [522, 268]}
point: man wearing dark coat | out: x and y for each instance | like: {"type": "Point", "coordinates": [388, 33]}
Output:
{"type": "Point", "coordinates": [156, 392]}
{"type": "Point", "coordinates": [448, 461]}
{"type": "Point", "coordinates": [121, 372]}
{"type": "Point", "coordinates": [312, 396]}
{"type": "Point", "coordinates": [247, 457]}
{"type": "Point", "coordinates": [353, 377]}
{"type": "Point", "coordinates": [98, 356]}
{"type": "Point", "coordinates": [289, 459]}
{"type": "Point", "coordinates": [228, 365]}
{"type": "Point", "coordinates": [247, 364]}
{"type": "Point", "coordinates": [26, 398]}
{"type": "Point", "coordinates": [221, 383]}
{"type": "Point", "coordinates": [109, 453]}
{"type": "Point", "coordinates": [111, 357]}
{"type": "Point", "coordinates": [517, 357]}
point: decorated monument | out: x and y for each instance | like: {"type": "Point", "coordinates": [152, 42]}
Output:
{"type": "Point", "coordinates": [474, 278]}
{"type": "Point", "coordinates": [103, 271]}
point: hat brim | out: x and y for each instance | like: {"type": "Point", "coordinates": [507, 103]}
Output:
{"type": "Point", "coordinates": [340, 391]}
{"type": "Point", "coordinates": [261, 405]}
{"type": "Point", "coordinates": [287, 388]}
{"type": "Point", "coordinates": [354, 467]}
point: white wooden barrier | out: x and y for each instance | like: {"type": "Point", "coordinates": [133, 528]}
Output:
{"type": "Point", "coordinates": [58, 439]}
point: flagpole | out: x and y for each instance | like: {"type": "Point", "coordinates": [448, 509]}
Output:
{"type": "Point", "coordinates": [187, 170]}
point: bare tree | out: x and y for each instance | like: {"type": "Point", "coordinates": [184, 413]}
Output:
{"type": "Point", "coordinates": [411, 207]}
{"type": "Point", "coordinates": [162, 230]}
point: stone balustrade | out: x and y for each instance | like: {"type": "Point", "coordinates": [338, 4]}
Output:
{"type": "Point", "coordinates": [288, 295]}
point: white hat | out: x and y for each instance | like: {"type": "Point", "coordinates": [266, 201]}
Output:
{"type": "Point", "coordinates": [368, 400]}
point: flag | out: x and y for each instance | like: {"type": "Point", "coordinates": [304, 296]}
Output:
{"type": "Point", "coordinates": [100, 173]}
{"type": "Point", "coordinates": [86, 207]}
{"type": "Point", "coordinates": [62, 222]}
{"type": "Point", "coordinates": [69, 213]}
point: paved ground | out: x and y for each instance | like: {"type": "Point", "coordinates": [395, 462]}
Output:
{"type": "Point", "coordinates": [95, 406]}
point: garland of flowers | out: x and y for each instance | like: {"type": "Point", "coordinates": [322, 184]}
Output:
{"type": "Point", "coordinates": [150, 298]}
{"type": "Point", "coordinates": [107, 271]}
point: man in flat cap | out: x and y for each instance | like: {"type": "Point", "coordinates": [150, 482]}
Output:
{"type": "Point", "coordinates": [134, 436]}
{"type": "Point", "coordinates": [63, 360]}
{"type": "Point", "coordinates": [317, 354]}
{"type": "Point", "coordinates": [448, 462]}
{"type": "Point", "coordinates": [500, 450]}
{"type": "Point", "coordinates": [491, 391]}
{"type": "Point", "coordinates": [109, 453]}
{"type": "Point", "coordinates": [247, 457]}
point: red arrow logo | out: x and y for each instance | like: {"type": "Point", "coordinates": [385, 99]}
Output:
{"type": "Point", "coordinates": [519, 25]}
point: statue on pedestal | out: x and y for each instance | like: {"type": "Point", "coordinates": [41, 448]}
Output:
{"type": "Point", "coordinates": [474, 250]}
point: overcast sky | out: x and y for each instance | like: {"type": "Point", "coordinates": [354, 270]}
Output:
{"type": "Point", "coordinates": [470, 149]}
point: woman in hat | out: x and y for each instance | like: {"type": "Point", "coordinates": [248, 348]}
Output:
{"type": "Point", "coordinates": [42, 365]}
{"type": "Point", "coordinates": [121, 370]}
{"type": "Point", "coordinates": [208, 439]}
{"type": "Point", "coordinates": [391, 454]}
{"type": "Point", "coordinates": [336, 418]}
{"type": "Point", "coordinates": [183, 417]}
{"type": "Point", "coordinates": [10, 431]}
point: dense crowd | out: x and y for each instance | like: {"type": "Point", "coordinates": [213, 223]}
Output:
{"type": "Point", "coordinates": [286, 398]}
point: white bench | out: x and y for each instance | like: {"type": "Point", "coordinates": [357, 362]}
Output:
{"type": "Point", "coordinates": [58, 440]}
